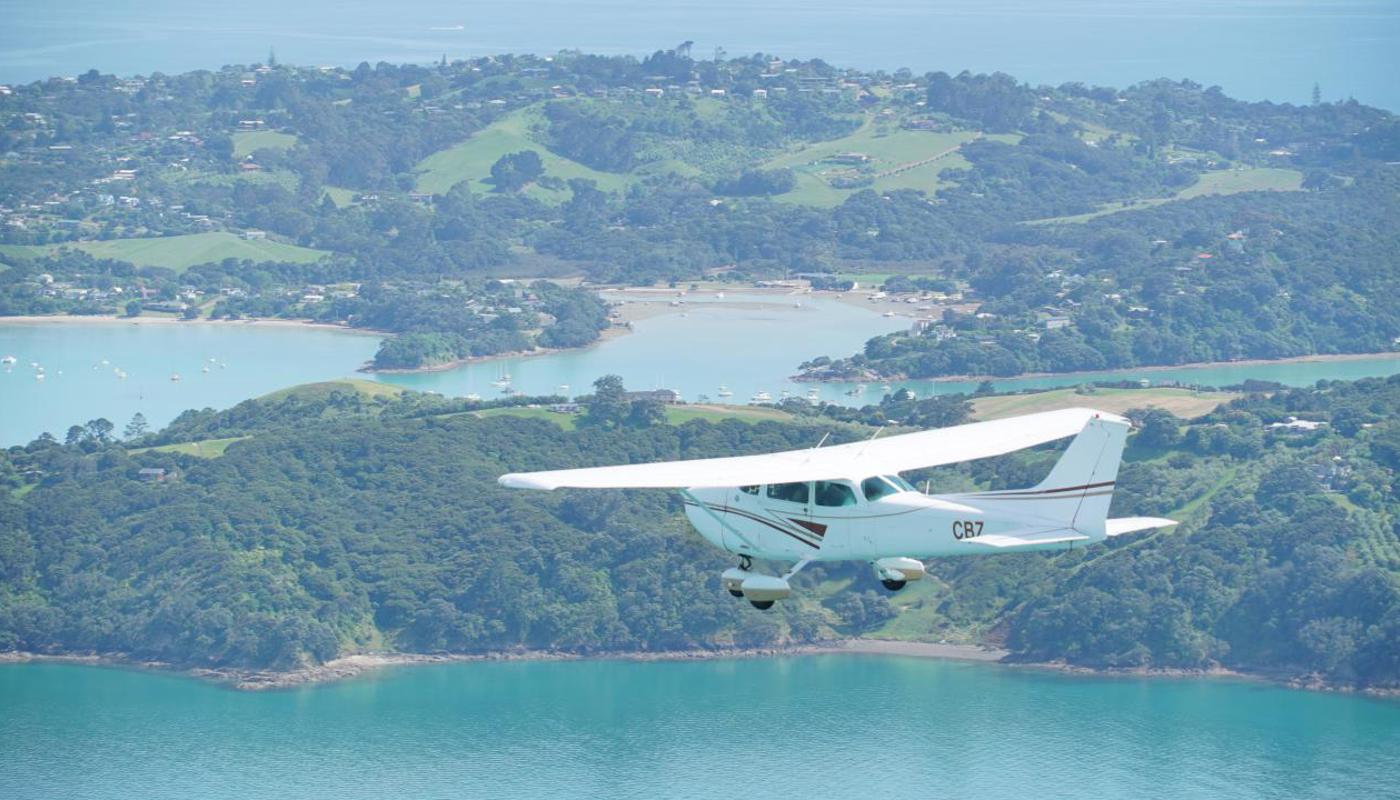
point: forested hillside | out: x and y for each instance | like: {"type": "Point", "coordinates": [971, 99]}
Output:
{"type": "Point", "coordinates": [330, 521]}
{"type": "Point", "coordinates": [1082, 227]}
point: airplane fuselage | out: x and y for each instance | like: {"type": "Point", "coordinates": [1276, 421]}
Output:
{"type": "Point", "coordinates": [851, 522]}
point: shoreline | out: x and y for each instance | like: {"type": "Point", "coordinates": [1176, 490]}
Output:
{"type": "Point", "coordinates": [1089, 374]}
{"type": "Point", "coordinates": [107, 319]}
{"type": "Point", "coordinates": [356, 665]}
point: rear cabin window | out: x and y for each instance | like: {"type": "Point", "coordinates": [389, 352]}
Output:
{"type": "Point", "coordinates": [790, 492]}
{"type": "Point", "coordinates": [876, 487]}
{"type": "Point", "coordinates": [830, 493]}
{"type": "Point", "coordinates": [749, 489]}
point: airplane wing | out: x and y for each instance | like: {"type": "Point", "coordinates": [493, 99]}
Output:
{"type": "Point", "coordinates": [854, 461]}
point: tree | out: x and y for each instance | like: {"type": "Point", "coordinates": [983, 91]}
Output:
{"type": "Point", "coordinates": [1158, 429]}
{"type": "Point", "coordinates": [137, 427]}
{"type": "Point", "coordinates": [512, 171]}
{"type": "Point", "coordinates": [100, 429]}
{"type": "Point", "coordinates": [608, 407]}
{"type": "Point", "coordinates": [133, 308]}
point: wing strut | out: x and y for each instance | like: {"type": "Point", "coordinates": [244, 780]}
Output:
{"type": "Point", "coordinates": [723, 526]}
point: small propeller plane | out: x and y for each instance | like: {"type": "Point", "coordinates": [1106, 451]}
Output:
{"type": "Point", "coordinates": [848, 502]}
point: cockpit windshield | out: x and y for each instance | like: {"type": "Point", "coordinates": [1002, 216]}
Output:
{"type": "Point", "coordinates": [876, 488]}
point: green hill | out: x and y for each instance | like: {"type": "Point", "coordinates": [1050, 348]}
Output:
{"type": "Point", "coordinates": [471, 160]}
{"type": "Point", "coordinates": [178, 252]}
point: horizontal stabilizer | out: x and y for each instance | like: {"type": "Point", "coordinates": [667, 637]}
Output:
{"type": "Point", "coordinates": [1122, 525]}
{"type": "Point", "coordinates": [1028, 540]}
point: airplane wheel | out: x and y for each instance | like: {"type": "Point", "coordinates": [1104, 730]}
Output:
{"type": "Point", "coordinates": [893, 586]}
{"type": "Point", "coordinates": [736, 592]}
{"type": "Point", "coordinates": [762, 605]}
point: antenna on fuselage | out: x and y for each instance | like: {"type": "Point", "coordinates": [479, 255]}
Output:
{"type": "Point", "coordinates": [825, 436]}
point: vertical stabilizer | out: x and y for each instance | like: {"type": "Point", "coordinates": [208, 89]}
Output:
{"type": "Point", "coordinates": [1079, 488]}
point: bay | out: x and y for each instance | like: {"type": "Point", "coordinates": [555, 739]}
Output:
{"type": "Point", "coordinates": [247, 361]}
{"type": "Point", "coordinates": [1254, 49]}
{"type": "Point", "coordinates": [833, 726]}
{"type": "Point", "coordinates": [749, 343]}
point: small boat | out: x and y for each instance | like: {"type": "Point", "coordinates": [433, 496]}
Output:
{"type": "Point", "coordinates": [813, 395]}
{"type": "Point", "coordinates": [473, 398]}
{"type": "Point", "coordinates": [38, 376]}
{"type": "Point", "coordinates": [724, 391]}
{"type": "Point", "coordinates": [719, 296]}
{"type": "Point", "coordinates": [203, 369]}
{"type": "Point", "coordinates": [562, 388]}
{"type": "Point", "coordinates": [104, 362]}
{"type": "Point", "coordinates": [175, 377]}
{"type": "Point", "coordinates": [761, 397]}
{"type": "Point", "coordinates": [8, 360]}
{"type": "Point", "coordinates": [887, 388]}
{"type": "Point", "coordinates": [889, 314]}
{"type": "Point", "coordinates": [121, 375]}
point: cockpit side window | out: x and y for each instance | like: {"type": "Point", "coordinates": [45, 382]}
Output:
{"type": "Point", "coordinates": [790, 492]}
{"type": "Point", "coordinates": [834, 494]}
{"type": "Point", "coordinates": [749, 489]}
{"type": "Point", "coordinates": [876, 487]}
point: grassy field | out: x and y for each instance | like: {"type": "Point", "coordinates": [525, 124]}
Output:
{"type": "Point", "coordinates": [246, 142]}
{"type": "Point", "coordinates": [177, 252]}
{"type": "Point", "coordinates": [1234, 181]}
{"type": "Point", "coordinates": [208, 448]}
{"type": "Point", "coordinates": [471, 160]}
{"type": "Point", "coordinates": [1184, 403]}
{"type": "Point", "coordinates": [340, 196]}
{"type": "Point", "coordinates": [900, 159]}
{"type": "Point", "coordinates": [322, 390]}
{"type": "Point", "coordinates": [675, 415]}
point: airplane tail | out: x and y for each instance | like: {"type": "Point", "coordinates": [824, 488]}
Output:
{"type": "Point", "coordinates": [1078, 490]}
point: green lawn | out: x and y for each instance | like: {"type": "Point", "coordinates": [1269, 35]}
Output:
{"type": "Point", "coordinates": [246, 142]}
{"type": "Point", "coordinates": [1233, 181]}
{"type": "Point", "coordinates": [178, 252]}
{"type": "Point", "coordinates": [340, 196]}
{"type": "Point", "coordinates": [471, 160]}
{"type": "Point", "coordinates": [889, 147]}
{"type": "Point", "coordinates": [322, 390]}
{"type": "Point", "coordinates": [1184, 403]}
{"type": "Point", "coordinates": [208, 448]}
{"type": "Point", "coordinates": [675, 415]}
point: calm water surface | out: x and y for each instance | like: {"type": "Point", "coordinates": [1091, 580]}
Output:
{"type": "Point", "coordinates": [748, 343]}
{"type": "Point", "coordinates": [1255, 49]}
{"type": "Point", "coordinates": [816, 727]}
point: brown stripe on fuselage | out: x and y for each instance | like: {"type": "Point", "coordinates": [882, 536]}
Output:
{"type": "Point", "coordinates": [760, 520]}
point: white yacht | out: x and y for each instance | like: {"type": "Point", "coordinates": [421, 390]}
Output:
{"type": "Point", "coordinates": [724, 391]}
{"type": "Point", "coordinates": [761, 397]}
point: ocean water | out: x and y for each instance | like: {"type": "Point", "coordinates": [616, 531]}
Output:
{"type": "Point", "coordinates": [1254, 49]}
{"type": "Point", "coordinates": [820, 726]}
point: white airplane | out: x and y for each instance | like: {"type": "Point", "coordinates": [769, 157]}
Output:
{"type": "Point", "coordinates": [848, 502]}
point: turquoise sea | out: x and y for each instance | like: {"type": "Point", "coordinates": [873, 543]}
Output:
{"type": "Point", "coordinates": [811, 727]}
{"type": "Point", "coordinates": [1254, 49]}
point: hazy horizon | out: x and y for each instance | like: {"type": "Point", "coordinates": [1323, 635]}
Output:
{"type": "Point", "coordinates": [1266, 49]}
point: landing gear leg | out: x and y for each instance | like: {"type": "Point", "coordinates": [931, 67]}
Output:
{"type": "Point", "coordinates": [745, 563]}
